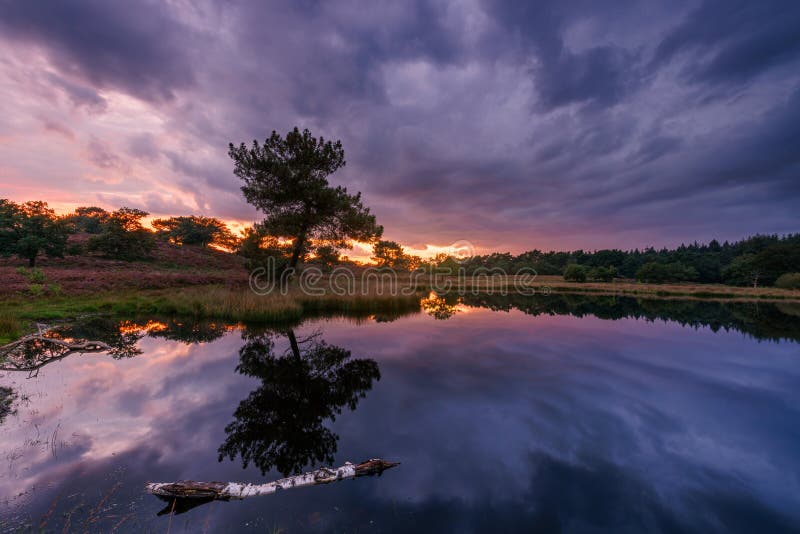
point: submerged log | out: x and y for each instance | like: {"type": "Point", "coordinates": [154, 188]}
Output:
{"type": "Point", "coordinates": [225, 491]}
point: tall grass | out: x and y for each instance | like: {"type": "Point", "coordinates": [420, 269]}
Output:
{"type": "Point", "coordinates": [9, 327]}
{"type": "Point", "coordinates": [216, 302]}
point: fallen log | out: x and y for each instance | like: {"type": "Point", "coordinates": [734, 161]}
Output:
{"type": "Point", "coordinates": [226, 491]}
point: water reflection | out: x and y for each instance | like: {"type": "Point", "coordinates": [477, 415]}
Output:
{"type": "Point", "coordinates": [281, 424]}
{"type": "Point", "coordinates": [440, 307]}
{"type": "Point", "coordinates": [7, 398]}
{"type": "Point", "coordinates": [521, 420]}
{"type": "Point", "coordinates": [762, 320]}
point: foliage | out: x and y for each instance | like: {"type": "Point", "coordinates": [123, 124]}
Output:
{"type": "Point", "coordinates": [390, 254]}
{"type": "Point", "coordinates": [788, 281]}
{"type": "Point", "coordinates": [603, 274]}
{"type": "Point", "coordinates": [29, 229]}
{"type": "Point", "coordinates": [123, 237]}
{"type": "Point", "coordinates": [89, 220]}
{"type": "Point", "coordinates": [286, 178]}
{"type": "Point", "coordinates": [36, 289]}
{"type": "Point", "coordinates": [264, 251]}
{"type": "Point", "coordinates": [9, 223]}
{"type": "Point", "coordinates": [575, 273]}
{"type": "Point", "coordinates": [75, 249]}
{"type": "Point", "coordinates": [742, 271]}
{"type": "Point", "coordinates": [194, 230]}
{"type": "Point", "coordinates": [327, 256]}
{"type": "Point", "coordinates": [34, 276]}
{"type": "Point", "coordinates": [660, 273]}
{"type": "Point", "coordinates": [441, 263]}
{"type": "Point", "coordinates": [774, 255]}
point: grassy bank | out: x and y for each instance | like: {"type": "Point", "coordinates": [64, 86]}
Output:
{"type": "Point", "coordinates": [238, 304]}
{"type": "Point", "coordinates": [206, 302]}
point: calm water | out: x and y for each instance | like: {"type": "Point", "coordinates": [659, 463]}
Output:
{"type": "Point", "coordinates": [567, 414]}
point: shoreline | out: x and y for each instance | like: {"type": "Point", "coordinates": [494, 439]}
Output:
{"type": "Point", "coordinates": [239, 303]}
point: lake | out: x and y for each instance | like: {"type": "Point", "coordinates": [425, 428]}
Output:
{"type": "Point", "coordinates": [551, 414]}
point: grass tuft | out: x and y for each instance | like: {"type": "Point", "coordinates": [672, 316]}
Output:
{"type": "Point", "coordinates": [9, 328]}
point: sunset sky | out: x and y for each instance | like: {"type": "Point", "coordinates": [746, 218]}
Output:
{"type": "Point", "coordinates": [512, 125]}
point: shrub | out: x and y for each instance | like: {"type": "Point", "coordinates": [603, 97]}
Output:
{"type": "Point", "coordinates": [123, 236]}
{"type": "Point", "coordinates": [603, 274]}
{"type": "Point", "coordinates": [575, 273]}
{"type": "Point", "coordinates": [34, 276]}
{"type": "Point", "coordinates": [36, 289]}
{"type": "Point", "coordinates": [75, 249]}
{"type": "Point", "coordinates": [788, 281]}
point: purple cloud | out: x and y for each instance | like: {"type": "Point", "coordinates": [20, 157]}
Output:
{"type": "Point", "coordinates": [512, 125]}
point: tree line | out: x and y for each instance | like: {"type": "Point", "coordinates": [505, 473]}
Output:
{"type": "Point", "coordinates": [760, 260]}
{"type": "Point", "coordinates": [32, 229]}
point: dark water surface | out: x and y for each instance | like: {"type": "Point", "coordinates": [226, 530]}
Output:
{"type": "Point", "coordinates": [568, 414]}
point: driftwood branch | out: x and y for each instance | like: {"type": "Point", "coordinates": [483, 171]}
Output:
{"type": "Point", "coordinates": [15, 357]}
{"type": "Point", "coordinates": [225, 491]}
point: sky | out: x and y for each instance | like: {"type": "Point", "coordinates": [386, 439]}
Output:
{"type": "Point", "coordinates": [509, 125]}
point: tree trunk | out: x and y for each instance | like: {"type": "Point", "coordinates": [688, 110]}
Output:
{"type": "Point", "coordinates": [225, 491]}
{"type": "Point", "coordinates": [293, 343]}
{"type": "Point", "coordinates": [32, 262]}
{"type": "Point", "coordinates": [299, 243]}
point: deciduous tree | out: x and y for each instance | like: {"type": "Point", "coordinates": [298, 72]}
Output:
{"type": "Point", "coordinates": [123, 236]}
{"type": "Point", "coordinates": [194, 230]}
{"type": "Point", "coordinates": [30, 229]}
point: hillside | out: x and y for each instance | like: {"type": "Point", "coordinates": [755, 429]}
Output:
{"type": "Point", "coordinates": [169, 266]}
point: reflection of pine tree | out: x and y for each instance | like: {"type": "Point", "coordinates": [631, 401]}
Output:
{"type": "Point", "coordinates": [7, 398]}
{"type": "Point", "coordinates": [280, 424]}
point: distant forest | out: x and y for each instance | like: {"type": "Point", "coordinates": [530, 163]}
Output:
{"type": "Point", "coordinates": [31, 229]}
{"type": "Point", "coordinates": [759, 260]}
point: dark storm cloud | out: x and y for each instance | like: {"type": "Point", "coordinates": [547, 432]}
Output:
{"type": "Point", "coordinates": [600, 75]}
{"type": "Point", "coordinates": [137, 47]}
{"type": "Point", "coordinates": [511, 124]}
{"type": "Point", "coordinates": [733, 41]}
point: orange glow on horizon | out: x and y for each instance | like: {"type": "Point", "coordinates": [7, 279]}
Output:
{"type": "Point", "coordinates": [360, 253]}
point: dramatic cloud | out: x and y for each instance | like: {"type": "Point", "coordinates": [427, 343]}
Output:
{"type": "Point", "coordinates": [513, 125]}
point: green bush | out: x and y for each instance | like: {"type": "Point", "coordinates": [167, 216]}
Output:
{"type": "Point", "coordinates": [36, 289]}
{"type": "Point", "coordinates": [788, 281]}
{"type": "Point", "coordinates": [34, 276]}
{"type": "Point", "coordinates": [123, 236]}
{"type": "Point", "coordinates": [75, 249]}
{"type": "Point", "coordinates": [603, 274]}
{"type": "Point", "coordinates": [575, 273]}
